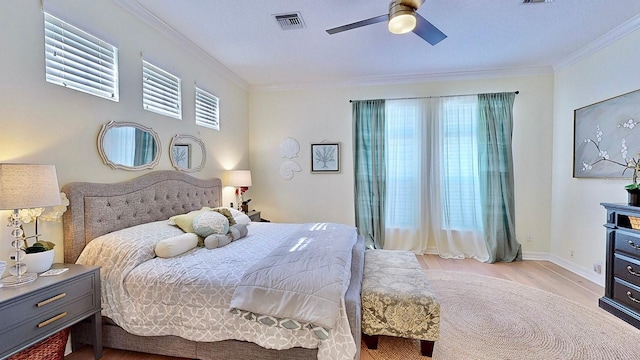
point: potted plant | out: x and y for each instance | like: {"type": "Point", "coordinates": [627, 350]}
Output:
{"type": "Point", "coordinates": [633, 189]}
{"type": "Point", "coordinates": [39, 255]}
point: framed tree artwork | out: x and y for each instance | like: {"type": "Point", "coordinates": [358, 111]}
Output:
{"type": "Point", "coordinates": [325, 158]}
{"type": "Point", "coordinates": [182, 155]}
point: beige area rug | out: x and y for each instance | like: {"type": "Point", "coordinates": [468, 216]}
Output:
{"type": "Point", "coordinates": [489, 318]}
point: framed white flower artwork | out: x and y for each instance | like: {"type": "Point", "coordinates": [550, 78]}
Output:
{"type": "Point", "coordinates": [607, 138]}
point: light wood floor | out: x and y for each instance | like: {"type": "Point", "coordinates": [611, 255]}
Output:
{"type": "Point", "coordinates": [539, 274]}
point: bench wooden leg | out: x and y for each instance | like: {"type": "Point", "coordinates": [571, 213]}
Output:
{"type": "Point", "coordinates": [426, 347]}
{"type": "Point", "coordinates": [370, 340]}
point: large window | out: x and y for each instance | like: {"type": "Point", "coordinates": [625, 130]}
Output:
{"type": "Point", "coordinates": [161, 92]}
{"type": "Point", "coordinates": [444, 153]}
{"type": "Point", "coordinates": [436, 170]}
{"type": "Point", "coordinates": [78, 60]}
{"type": "Point", "coordinates": [461, 195]}
{"type": "Point", "coordinates": [403, 165]}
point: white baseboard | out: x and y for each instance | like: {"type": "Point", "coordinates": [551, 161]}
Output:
{"type": "Point", "coordinates": [543, 256]}
{"type": "Point", "coordinates": [535, 255]}
{"type": "Point", "coordinates": [588, 274]}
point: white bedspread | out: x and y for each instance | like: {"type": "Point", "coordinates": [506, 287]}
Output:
{"type": "Point", "coordinates": [189, 295]}
{"type": "Point", "coordinates": [304, 278]}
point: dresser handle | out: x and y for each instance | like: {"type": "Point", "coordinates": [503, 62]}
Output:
{"type": "Point", "coordinates": [630, 270]}
{"type": "Point", "coordinates": [60, 316]}
{"type": "Point", "coordinates": [50, 300]}
{"type": "Point", "coordinates": [637, 247]}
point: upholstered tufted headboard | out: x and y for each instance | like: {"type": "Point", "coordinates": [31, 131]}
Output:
{"type": "Point", "coordinates": [96, 209]}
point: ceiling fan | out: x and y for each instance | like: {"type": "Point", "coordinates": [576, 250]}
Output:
{"type": "Point", "coordinates": [402, 18]}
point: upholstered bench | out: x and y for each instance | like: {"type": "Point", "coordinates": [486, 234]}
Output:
{"type": "Point", "coordinates": [397, 300]}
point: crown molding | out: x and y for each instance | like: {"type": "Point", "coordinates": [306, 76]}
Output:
{"type": "Point", "coordinates": [407, 79]}
{"type": "Point", "coordinates": [603, 41]}
{"type": "Point", "coordinates": [139, 11]}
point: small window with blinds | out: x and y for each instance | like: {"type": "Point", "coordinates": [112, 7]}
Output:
{"type": "Point", "coordinates": [78, 60]}
{"type": "Point", "coordinates": [207, 110]}
{"type": "Point", "coordinates": [161, 91]}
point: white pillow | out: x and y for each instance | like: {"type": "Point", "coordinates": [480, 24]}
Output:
{"type": "Point", "coordinates": [176, 245]}
{"type": "Point", "coordinates": [239, 216]}
{"type": "Point", "coordinates": [210, 222]}
{"type": "Point", "coordinates": [242, 219]}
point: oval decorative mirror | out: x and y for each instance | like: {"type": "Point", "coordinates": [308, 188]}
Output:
{"type": "Point", "coordinates": [187, 153]}
{"type": "Point", "coordinates": [128, 146]}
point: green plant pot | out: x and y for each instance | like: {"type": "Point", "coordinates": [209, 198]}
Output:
{"type": "Point", "coordinates": [633, 197]}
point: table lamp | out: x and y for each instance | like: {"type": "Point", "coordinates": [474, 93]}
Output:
{"type": "Point", "coordinates": [241, 179]}
{"type": "Point", "coordinates": [24, 186]}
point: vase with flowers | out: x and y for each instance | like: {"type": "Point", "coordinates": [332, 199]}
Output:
{"type": "Point", "coordinates": [240, 190]}
{"type": "Point", "coordinates": [633, 164]}
{"type": "Point", "coordinates": [39, 255]}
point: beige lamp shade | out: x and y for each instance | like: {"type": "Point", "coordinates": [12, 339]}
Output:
{"type": "Point", "coordinates": [24, 186]}
{"type": "Point", "coordinates": [240, 178]}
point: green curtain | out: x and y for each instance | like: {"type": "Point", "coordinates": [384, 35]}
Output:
{"type": "Point", "coordinates": [370, 170]}
{"type": "Point", "coordinates": [496, 176]}
{"type": "Point", "coordinates": [145, 150]}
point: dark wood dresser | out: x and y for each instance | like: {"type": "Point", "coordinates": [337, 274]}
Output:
{"type": "Point", "coordinates": [622, 277]}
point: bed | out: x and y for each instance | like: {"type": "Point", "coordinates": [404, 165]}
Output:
{"type": "Point", "coordinates": [99, 210]}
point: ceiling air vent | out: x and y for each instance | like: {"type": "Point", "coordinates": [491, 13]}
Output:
{"type": "Point", "coordinates": [290, 21]}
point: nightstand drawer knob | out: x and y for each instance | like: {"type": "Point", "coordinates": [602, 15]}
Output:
{"type": "Point", "coordinates": [55, 318]}
{"type": "Point", "coordinates": [50, 300]}
{"type": "Point", "coordinates": [637, 247]}
{"type": "Point", "coordinates": [630, 270]}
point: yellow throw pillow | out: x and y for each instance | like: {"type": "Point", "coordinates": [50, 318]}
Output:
{"type": "Point", "coordinates": [176, 245]}
{"type": "Point", "coordinates": [185, 221]}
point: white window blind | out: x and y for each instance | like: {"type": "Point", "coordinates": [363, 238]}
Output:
{"type": "Point", "coordinates": [78, 60]}
{"type": "Point", "coordinates": [161, 91]}
{"type": "Point", "coordinates": [207, 110]}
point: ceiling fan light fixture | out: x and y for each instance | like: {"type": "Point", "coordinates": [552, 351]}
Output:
{"type": "Point", "coordinates": [402, 18]}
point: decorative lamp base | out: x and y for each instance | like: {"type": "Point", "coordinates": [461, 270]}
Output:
{"type": "Point", "coordinates": [19, 280]}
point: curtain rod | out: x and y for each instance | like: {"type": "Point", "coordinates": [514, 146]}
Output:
{"type": "Point", "coordinates": [427, 97]}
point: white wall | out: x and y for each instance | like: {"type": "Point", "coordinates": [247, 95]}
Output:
{"type": "Point", "coordinates": [46, 123]}
{"type": "Point", "coordinates": [576, 214]}
{"type": "Point", "coordinates": [314, 115]}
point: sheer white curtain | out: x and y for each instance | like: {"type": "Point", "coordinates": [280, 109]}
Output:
{"type": "Point", "coordinates": [432, 177]}
{"type": "Point", "coordinates": [406, 198]}
{"type": "Point", "coordinates": [120, 145]}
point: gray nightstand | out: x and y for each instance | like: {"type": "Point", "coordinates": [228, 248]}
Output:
{"type": "Point", "coordinates": [33, 312]}
{"type": "Point", "coordinates": [254, 216]}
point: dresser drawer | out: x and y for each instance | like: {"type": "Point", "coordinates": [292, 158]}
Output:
{"type": "Point", "coordinates": [54, 320]}
{"type": "Point", "coordinates": [43, 302]}
{"type": "Point", "coordinates": [626, 268]}
{"type": "Point", "coordinates": [626, 294]}
{"type": "Point", "coordinates": [627, 242]}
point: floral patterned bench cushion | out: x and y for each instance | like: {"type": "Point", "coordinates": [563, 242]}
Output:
{"type": "Point", "coordinates": [396, 297]}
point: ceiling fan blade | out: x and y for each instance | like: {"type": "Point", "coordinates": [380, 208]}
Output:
{"type": "Point", "coordinates": [358, 24]}
{"type": "Point", "coordinates": [428, 31]}
{"type": "Point", "coordinates": [415, 4]}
